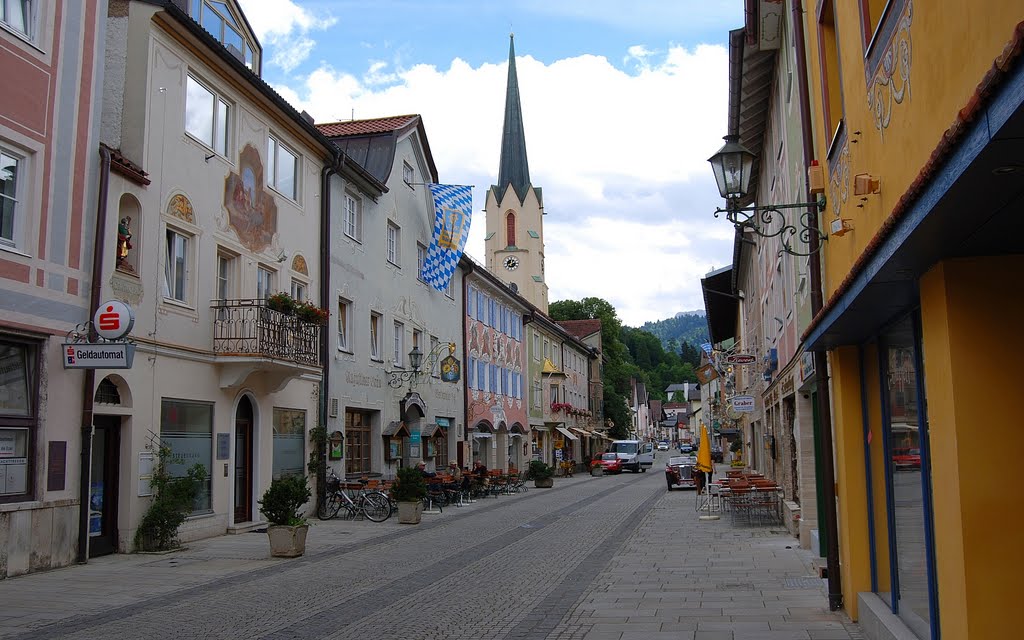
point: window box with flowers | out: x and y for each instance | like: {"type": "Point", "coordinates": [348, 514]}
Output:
{"type": "Point", "coordinates": [557, 407]}
{"type": "Point", "coordinates": [303, 310]}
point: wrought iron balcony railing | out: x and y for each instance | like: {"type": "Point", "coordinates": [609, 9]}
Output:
{"type": "Point", "coordinates": [249, 328]}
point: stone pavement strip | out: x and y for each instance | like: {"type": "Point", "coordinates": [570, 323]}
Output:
{"type": "Point", "coordinates": [595, 558]}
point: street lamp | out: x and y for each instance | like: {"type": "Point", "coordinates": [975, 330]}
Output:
{"type": "Point", "coordinates": [733, 166]}
{"type": "Point", "coordinates": [416, 357]}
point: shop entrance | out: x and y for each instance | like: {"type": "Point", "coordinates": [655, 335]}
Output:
{"type": "Point", "coordinates": [243, 461]}
{"type": "Point", "coordinates": [106, 446]}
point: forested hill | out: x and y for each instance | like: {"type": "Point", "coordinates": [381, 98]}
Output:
{"type": "Point", "coordinates": [689, 327]}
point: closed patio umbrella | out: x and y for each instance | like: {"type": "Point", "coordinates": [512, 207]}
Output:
{"type": "Point", "coordinates": [704, 465]}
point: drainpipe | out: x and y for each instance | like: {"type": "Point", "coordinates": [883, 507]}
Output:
{"type": "Point", "coordinates": [325, 295]}
{"type": "Point", "coordinates": [835, 589]}
{"type": "Point", "coordinates": [467, 268]}
{"type": "Point", "coordinates": [85, 464]}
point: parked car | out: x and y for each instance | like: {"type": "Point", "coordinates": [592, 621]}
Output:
{"type": "Point", "coordinates": [611, 463]}
{"type": "Point", "coordinates": [686, 448]}
{"type": "Point", "coordinates": [716, 453]}
{"type": "Point", "coordinates": [663, 445]}
{"type": "Point", "coordinates": [904, 458]}
{"type": "Point", "coordinates": [679, 472]}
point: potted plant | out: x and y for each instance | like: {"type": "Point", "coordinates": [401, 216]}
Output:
{"type": "Point", "coordinates": [409, 490]}
{"type": "Point", "coordinates": [281, 506]}
{"type": "Point", "coordinates": [543, 475]}
{"type": "Point", "coordinates": [282, 303]}
{"type": "Point", "coordinates": [173, 499]}
{"type": "Point", "coordinates": [309, 312]}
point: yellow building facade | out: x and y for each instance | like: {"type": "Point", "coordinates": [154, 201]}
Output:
{"type": "Point", "coordinates": [917, 113]}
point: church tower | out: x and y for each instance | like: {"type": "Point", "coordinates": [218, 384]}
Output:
{"type": "Point", "coordinates": [514, 210]}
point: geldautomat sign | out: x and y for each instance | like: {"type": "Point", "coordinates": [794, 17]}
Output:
{"type": "Point", "coordinates": [99, 355]}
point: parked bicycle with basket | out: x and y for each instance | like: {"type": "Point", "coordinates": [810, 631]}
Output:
{"type": "Point", "coordinates": [372, 504]}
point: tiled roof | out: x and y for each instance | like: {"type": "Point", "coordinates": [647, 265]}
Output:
{"type": "Point", "coordinates": [364, 127]}
{"type": "Point", "coordinates": [581, 327]}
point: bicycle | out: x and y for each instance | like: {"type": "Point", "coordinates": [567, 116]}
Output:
{"type": "Point", "coordinates": [374, 505]}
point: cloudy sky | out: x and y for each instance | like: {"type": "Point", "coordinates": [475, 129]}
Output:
{"type": "Point", "coordinates": [623, 102]}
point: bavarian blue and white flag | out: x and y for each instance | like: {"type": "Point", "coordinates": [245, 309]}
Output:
{"type": "Point", "coordinates": [453, 211]}
{"type": "Point", "coordinates": [707, 348]}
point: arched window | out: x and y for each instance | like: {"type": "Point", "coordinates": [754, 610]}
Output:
{"type": "Point", "coordinates": [510, 229]}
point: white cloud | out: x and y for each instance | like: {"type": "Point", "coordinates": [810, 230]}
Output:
{"type": "Point", "coordinates": [621, 156]}
{"type": "Point", "coordinates": [283, 29]}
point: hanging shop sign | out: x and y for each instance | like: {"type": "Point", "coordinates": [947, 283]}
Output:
{"type": "Point", "coordinates": [112, 322]}
{"type": "Point", "coordinates": [743, 404]}
{"type": "Point", "coordinates": [451, 369]}
{"type": "Point", "coordinates": [740, 358]}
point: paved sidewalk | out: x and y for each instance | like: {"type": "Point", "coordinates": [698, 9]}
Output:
{"type": "Point", "coordinates": [613, 558]}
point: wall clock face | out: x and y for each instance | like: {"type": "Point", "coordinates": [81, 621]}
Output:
{"type": "Point", "coordinates": [511, 263]}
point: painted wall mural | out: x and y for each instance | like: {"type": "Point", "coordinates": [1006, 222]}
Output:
{"type": "Point", "coordinates": [487, 345]}
{"type": "Point", "coordinates": [252, 212]}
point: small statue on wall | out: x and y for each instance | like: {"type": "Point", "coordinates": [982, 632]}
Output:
{"type": "Point", "coordinates": [124, 244]}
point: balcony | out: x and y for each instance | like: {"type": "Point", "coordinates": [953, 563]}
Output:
{"type": "Point", "coordinates": [255, 344]}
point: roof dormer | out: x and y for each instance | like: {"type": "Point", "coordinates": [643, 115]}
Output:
{"type": "Point", "coordinates": [226, 22]}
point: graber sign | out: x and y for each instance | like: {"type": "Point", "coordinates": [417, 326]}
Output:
{"type": "Point", "coordinates": [112, 322]}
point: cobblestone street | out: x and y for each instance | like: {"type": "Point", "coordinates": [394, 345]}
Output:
{"type": "Point", "coordinates": [612, 558]}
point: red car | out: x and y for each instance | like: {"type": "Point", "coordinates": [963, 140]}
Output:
{"type": "Point", "coordinates": [679, 472]}
{"type": "Point", "coordinates": [906, 458]}
{"type": "Point", "coordinates": [611, 463]}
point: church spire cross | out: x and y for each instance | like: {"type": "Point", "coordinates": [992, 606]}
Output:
{"type": "Point", "coordinates": [513, 168]}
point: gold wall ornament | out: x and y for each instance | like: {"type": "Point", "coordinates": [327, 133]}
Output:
{"type": "Point", "coordinates": [299, 265]}
{"type": "Point", "coordinates": [839, 180]}
{"type": "Point", "coordinates": [891, 84]}
{"type": "Point", "coordinates": [181, 208]}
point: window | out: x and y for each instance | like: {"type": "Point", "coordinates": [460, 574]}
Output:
{"type": "Point", "coordinates": [17, 14]}
{"type": "Point", "coordinates": [547, 349]}
{"type": "Point", "coordinates": [871, 12]}
{"type": "Point", "coordinates": [357, 441]}
{"type": "Point", "coordinates": [187, 428]}
{"type": "Point", "coordinates": [554, 393]}
{"type": "Point", "coordinates": [471, 373]}
{"type": "Point", "coordinates": [17, 417]}
{"type": "Point", "coordinates": [480, 306]}
{"type": "Point", "coordinates": [492, 378]}
{"type": "Point", "coordinates": [536, 393]}
{"type": "Point", "coordinates": [298, 290]}
{"type": "Point", "coordinates": [353, 218]}
{"type": "Point", "coordinates": [11, 176]}
{"type": "Point", "coordinates": [394, 243]}
{"type": "Point", "coordinates": [399, 355]}
{"type": "Point", "coordinates": [375, 339]}
{"type": "Point", "coordinates": [218, 20]}
{"type": "Point", "coordinates": [417, 339]}
{"type": "Point", "coordinates": [289, 440]}
{"type": "Point", "coordinates": [344, 322]}
{"type": "Point", "coordinates": [481, 375]}
{"type": "Point", "coordinates": [421, 260]}
{"type": "Point", "coordinates": [408, 175]}
{"type": "Point", "coordinates": [282, 169]}
{"type": "Point", "coordinates": [264, 283]}
{"type": "Point", "coordinates": [206, 116]}
{"type": "Point", "coordinates": [176, 267]}
{"type": "Point", "coordinates": [510, 229]}
{"type": "Point", "coordinates": [469, 302]}
{"type": "Point", "coordinates": [536, 346]}
{"type": "Point", "coordinates": [436, 369]}
{"type": "Point", "coordinates": [831, 86]}
{"type": "Point", "coordinates": [450, 289]}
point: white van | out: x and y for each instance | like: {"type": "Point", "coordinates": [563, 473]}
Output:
{"type": "Point", "coordinates": [636, 456]}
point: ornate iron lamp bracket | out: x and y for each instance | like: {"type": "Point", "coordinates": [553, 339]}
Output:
{"type": "Point", "coordinates": [760, 219]}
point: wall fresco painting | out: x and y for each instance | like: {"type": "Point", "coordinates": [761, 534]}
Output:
{"type": "Point", "coordinates": [252, 212]}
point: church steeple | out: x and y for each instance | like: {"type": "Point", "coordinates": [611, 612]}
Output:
{"type": "Point", "coordinates": [513, 168]}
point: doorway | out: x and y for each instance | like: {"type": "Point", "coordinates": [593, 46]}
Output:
{"type": "Point", "coordinates": [106, 458]}
{"type": "Point", "coordinates": [243, 461]}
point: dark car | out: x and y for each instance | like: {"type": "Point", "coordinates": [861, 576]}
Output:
{"type": "Point", "coordinates": [679, 472]}
{"type": "Point", "coordinates": [906, 458]}
{"type": "Point", "coordinates": [611, 463]}
{"type": "Point", "coordinates": [716, 453]}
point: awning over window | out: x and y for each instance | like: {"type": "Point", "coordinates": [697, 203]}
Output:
{"type": "Point", "coordinates": [568, 434]}
{"type": "Point", "coordinates": [482, 434]}
{"type": "Point", "coordinates": [582, 432]}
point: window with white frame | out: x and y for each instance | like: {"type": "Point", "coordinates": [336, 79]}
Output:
{"type": "Point", "coordinates": [421, 260]}
{"type": "Point", "coordinates": [399, 354]}
{"type": "Point", "coordinates": [264, 282]}
{"type": "Point", "coordinates": [417, 339]}
{"type": "Point", "coordinates": [12, 167]}
{"type": "Point", "coordinates": [298, 290]}
{"type": "Point", "coordinates": [450, 289]}
{"type": "Point", "coordinates": [217, 18]}
{"type": "Point", "coordinates": [375, 337]}
{"type": "Point", "coordinates": [408, 175]}
{"type": "Point", "coordinates": [536, 393]}
{"type": "Point", "coordinates": [282, 168]}
{"type": "Point", "coordinates": [225, 276]}
{"type": "Point", "coordinates": [353, 218]}
{"type": "Point", "coordinates": [176, 265]}
{"type": "Point", "coordinates": [536, 346]}
{"type": "Point", "coordinates": [206, 116]}
{"type": "Point", "coordinates": [344, 322]}
{"type": "Point", "coordinates": [18, 15]}
{"type": "Point", "coordinates": [394, 243]}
